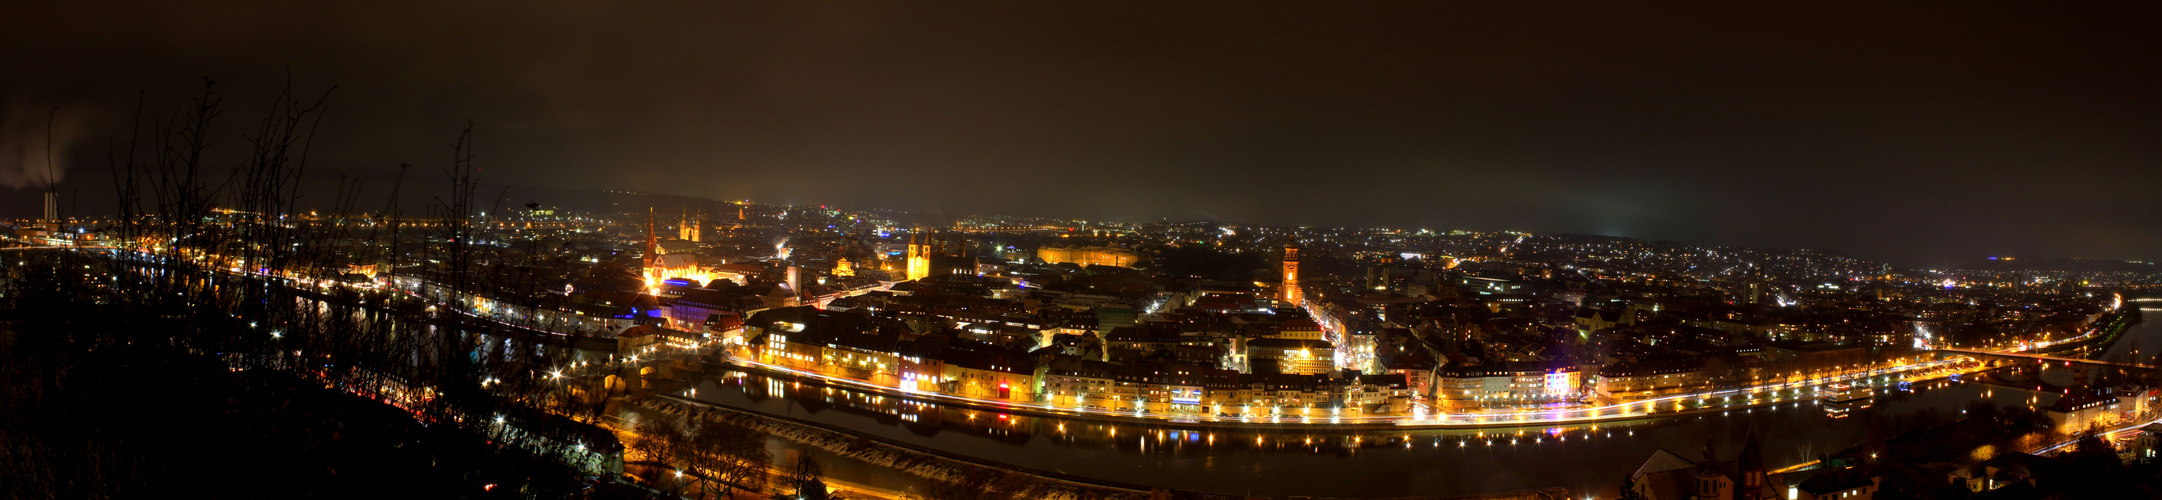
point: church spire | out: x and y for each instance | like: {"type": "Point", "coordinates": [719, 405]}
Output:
{"type": "Point", "coordinates": [1751, 468]}
{"type": "Point", "coordinates": [651, 244]}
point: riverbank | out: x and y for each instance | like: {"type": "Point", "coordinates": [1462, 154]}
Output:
{"type": "Point", "coordinates": [1280, 460]}
{"type": "Point", "coordinates": [937, 466]}
{"type": "Point", "coordinates": [927, 464]}
{"type": "Point", "coordinates": [1763, 396]}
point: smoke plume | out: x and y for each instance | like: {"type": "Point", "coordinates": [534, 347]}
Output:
{"type": "Point", "coordinates": [23, 138]}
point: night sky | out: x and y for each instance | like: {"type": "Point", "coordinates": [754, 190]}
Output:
{"type": "Point", "coordinates": [1917, 133]}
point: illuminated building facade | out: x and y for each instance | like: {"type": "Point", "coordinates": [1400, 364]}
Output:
{"type": "Point", "coordinates": [919, 258]}
{"type": "Point", "coordinates": [1299, 329]}
{"type": "Point", "coordinates": [1088, 256]}
{"type": "Point", "coordinates": [865, 348]}
{"type": "Point", "coordinates": [675, 266]}
{"type": "Point", "coordinates": [1636, 381]}
{"type": "Point", "coordinates": [1292, 356]}
{"type": "Point", "coordinates": [795, 280]}
{"type": "Point", "coordinates": [689, 228]}
{"type": "Point", "coordinates": [1290, 292]}
{"type": "Point", "coordinates": [661, 265]}
{"type": "Point", "coordinates": [1505, 384]}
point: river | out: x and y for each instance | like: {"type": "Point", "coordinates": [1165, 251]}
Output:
{"type": "Point", "coordinates": [1288, 460]}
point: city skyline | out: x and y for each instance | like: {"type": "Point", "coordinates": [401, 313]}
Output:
{"type": "Point", "coordinates": [1187, 250]}
{"type": "Point", "coordinates": [1921, 135]}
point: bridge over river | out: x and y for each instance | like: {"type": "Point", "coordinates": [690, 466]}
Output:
{"type": "Point", "coordinates": [2045, 358]}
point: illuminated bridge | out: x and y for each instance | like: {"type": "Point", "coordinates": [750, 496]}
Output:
{"type": "Point", "coordinates": [2038, 357]}
{"type": "Point", "coordinates": [58, 248]}
{"type": "Point", "coordinates": [1014, 229]}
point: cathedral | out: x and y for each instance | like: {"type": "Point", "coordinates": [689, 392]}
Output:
{"type": "Point", "coordinates": [689, 229]}
{"type": "Point", "coordinates": [919, 257]}
{"type": "Point", "coordinates": [931, 254]}
{"type": "Point", "coordinates": [661, 264]}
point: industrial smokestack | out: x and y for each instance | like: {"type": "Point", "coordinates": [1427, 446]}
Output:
{"type": "Point", "coordinates": [52, 211]}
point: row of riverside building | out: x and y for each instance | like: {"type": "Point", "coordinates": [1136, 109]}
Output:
{"type": "Point", "coordinates": [885, 352]}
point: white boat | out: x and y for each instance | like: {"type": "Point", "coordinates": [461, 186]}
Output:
{"type": "Point", "coordinates": [1845, 398]}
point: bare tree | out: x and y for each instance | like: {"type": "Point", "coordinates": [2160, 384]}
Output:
{"type": "Point", "coordinates": [806, 478]}
{"type": "Point", "coordinates": [732, 455]}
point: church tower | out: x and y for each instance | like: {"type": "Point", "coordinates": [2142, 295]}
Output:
{"type": "Point", "coordinates": [687, 230]}
{"type": "Point", "coordinates": [652, 245]}
{"type": "Point", "coordinates": [1751, 467]}
{"type": "Point", "coordinates": [919, 258]}
{"type": "Point", "coordinates": [1291, 293]}
{"type": "Point", "coordinates": [1708, 476]}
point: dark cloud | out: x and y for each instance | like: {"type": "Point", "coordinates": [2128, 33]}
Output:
{"type": "Point", "coordinates": [1918, 132]}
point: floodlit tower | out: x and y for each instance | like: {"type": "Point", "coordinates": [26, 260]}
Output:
{"type": "Point", "coordinates": [688, 228]}
{"type": "Point", "coordinates": [844, 268]}
{"type": "Point", "coordinates": [919, 258]}
{"type": "Point", "coordinates": [841, 266]}
{"type": "Point", "coordinates": [1290, 292]}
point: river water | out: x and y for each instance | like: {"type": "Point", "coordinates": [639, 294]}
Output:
{"type": "Point", "coordinates": [1290, 460]}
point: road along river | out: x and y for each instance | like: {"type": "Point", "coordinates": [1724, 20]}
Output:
{"type": "Point", "coordinates": [1321, 460]}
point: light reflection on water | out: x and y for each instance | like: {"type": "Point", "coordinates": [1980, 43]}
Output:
{"type": "Point", "coordinates": [1291, 459]}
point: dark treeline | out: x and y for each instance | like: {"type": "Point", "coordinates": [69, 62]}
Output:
{"type": "Point", "coordinates": [1210, 263]}
{"type": "Point", "coordinates": [206, 352]}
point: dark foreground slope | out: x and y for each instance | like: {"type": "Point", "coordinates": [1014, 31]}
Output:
{"type": "Point", "coordinates": [86, 418]}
